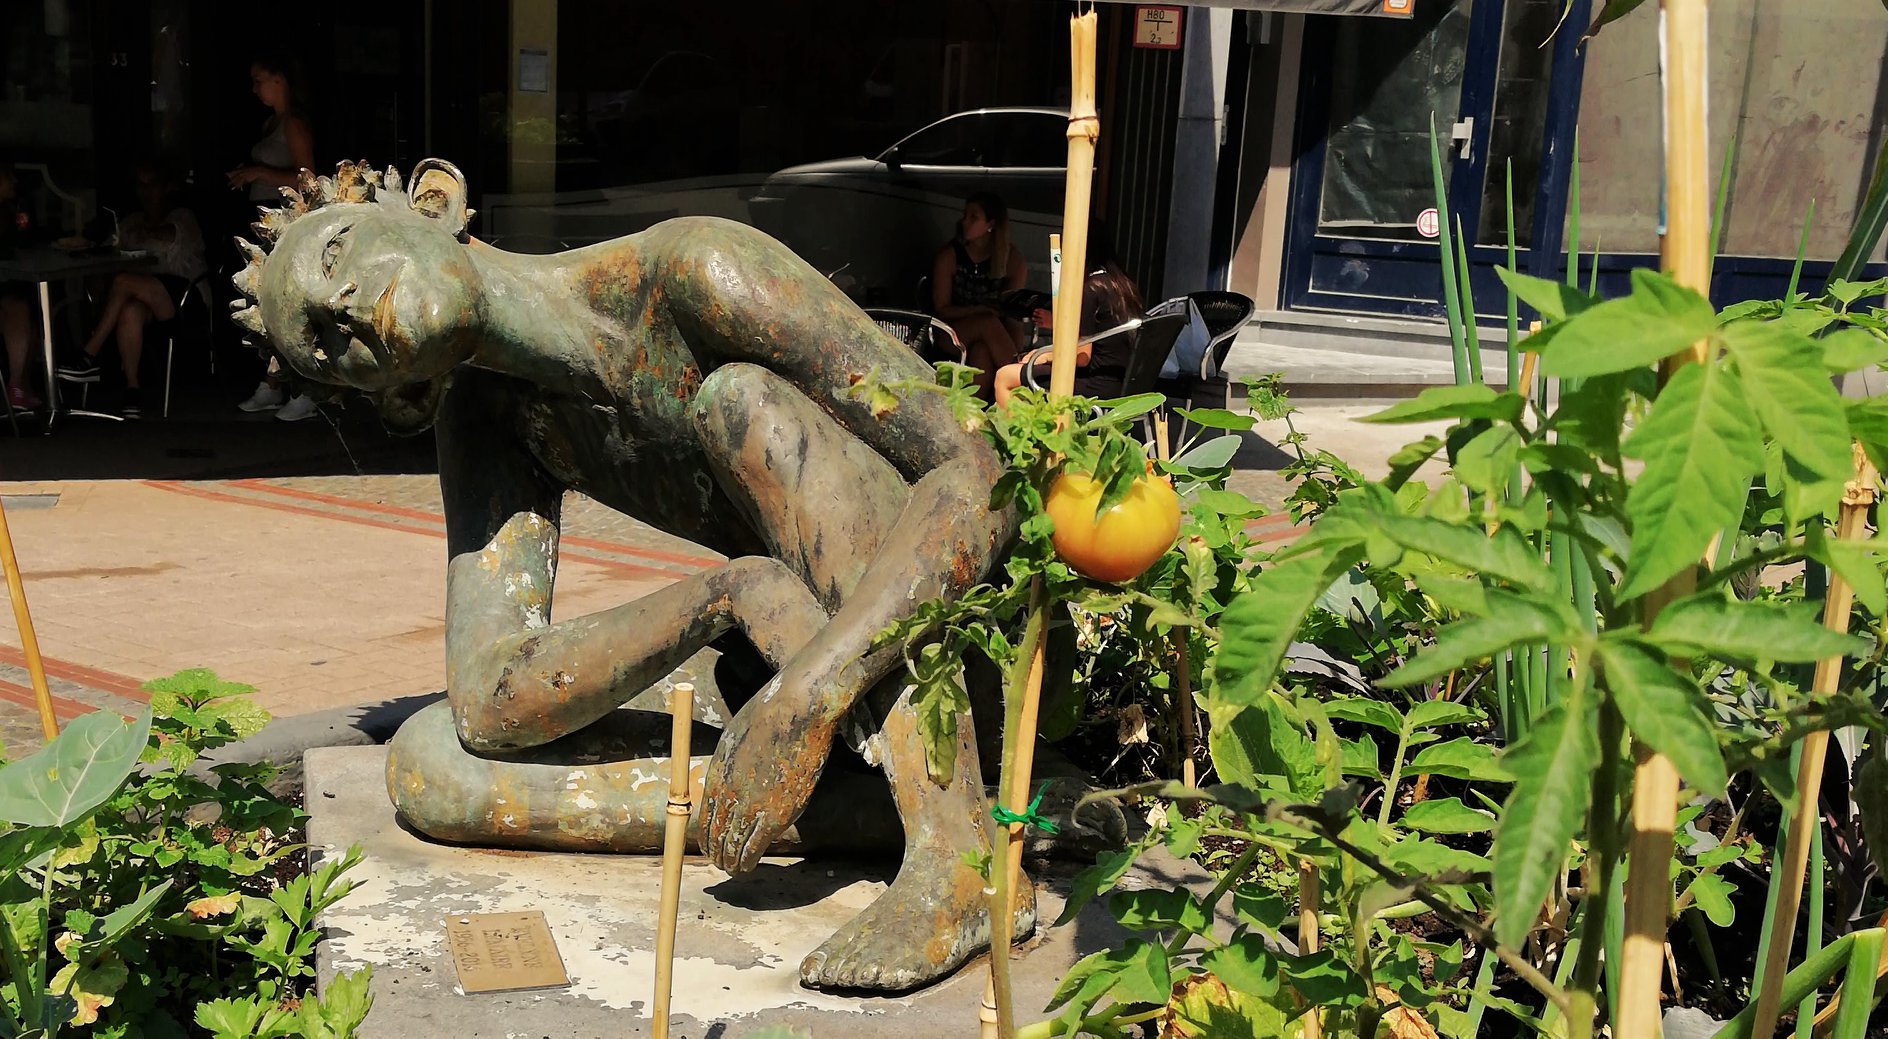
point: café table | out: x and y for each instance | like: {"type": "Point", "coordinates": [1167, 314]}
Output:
{"type": "Point", "coordinates": [42, 266]}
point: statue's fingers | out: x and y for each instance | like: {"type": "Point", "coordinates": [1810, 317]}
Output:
{"type": "Point", "coordinates": [753, 845]}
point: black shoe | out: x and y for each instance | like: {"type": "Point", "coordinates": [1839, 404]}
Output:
{"type": "Point", "coordinates": [78, 367]}
{"type": "Point", "coordinates": [129, 406]}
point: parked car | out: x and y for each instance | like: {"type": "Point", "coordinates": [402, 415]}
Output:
{"type": "Point", "coordinates": [881, 219]}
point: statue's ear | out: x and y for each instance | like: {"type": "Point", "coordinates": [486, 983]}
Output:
{"type": "Point", "coordinates": [437, 190]}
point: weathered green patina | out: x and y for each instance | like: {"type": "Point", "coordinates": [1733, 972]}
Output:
{"type": "Point", "coordinates": [693, 376]}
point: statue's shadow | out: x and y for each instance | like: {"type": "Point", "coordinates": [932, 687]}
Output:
{"type": "Point", "coordinates": [777, 886]}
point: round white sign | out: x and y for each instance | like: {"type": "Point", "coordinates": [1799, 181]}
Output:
{"type": "Point", "coordinates": [1428, 224]}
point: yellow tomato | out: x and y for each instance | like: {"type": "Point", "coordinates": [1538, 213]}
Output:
{"type": "Point", "coordinates": [1122, 542]}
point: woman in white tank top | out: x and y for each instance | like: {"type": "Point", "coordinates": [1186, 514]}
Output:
{"type": "Point", "coordinates": [286, 148]}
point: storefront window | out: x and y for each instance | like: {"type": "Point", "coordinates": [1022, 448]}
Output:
{"type": "Point", "coordinates": [1800, 83]}
{"type": "Point", "coordinates": [618, 114]}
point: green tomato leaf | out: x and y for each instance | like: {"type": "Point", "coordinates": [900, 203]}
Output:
{"type": "Point", "coordinates": [1213, 454]}
{"type": "Point", "coordinates": [1431, 714]}
{"type": "Point", "coordinates": [1256, 627]}
{"type": "Point", "coordinates": [69, 777]}
{"type": "Point", "coordinates": [1229, 504]}
{"type": "Point", "coordinates": [1261, 748]}
{"type": "Point", "coordinates": [1158, 909]}
{"type": "Point", "coordinates": [1487, 463]}
{"type": "Point", "coordinates": [1661, 707]}
{"type": "Point", "coordinates": [1855, 564]}
{"type": "Point", "coordinates": [1868, 422]}
{"type": "Point", "coordinates": [1365, 711]}
{"type": "Point", "coordinates": [1245, 965]}
{"type": "Point", "coordinates": [1712, 893]}
{"type": "Point", "coordinates": [1782, 376]}
{"type": "Point", "coordinates": [1553, 772]}
{"type": "Point", "coordinates": [1853, 349]}
{"type": "Point", "coordinates": [1216, 418]}
{"type": "Point", "coordinates": [1470, 401]}
{"type": "Point", "coordinates": [1659, 318]}
{"type": "Point", "coordinates": [1700, 444]}
{"type": "Point", "coordinates": [1360, 757]}
{"type": "Point", "coordinates": [1107, 871]}
{"type": "Point", "coordinates": [1447, 815]}
{"type": "Point", "coordinates": [1556, 300]}
{"type": "Point", "coordinates": [1504, 554]}
{"type": "Point", "coordinates": [1460, 758]}
{"type": "Point", "coordinates": [1710, 625]}
{"type": "Point", "coordinates": [1511, 620]}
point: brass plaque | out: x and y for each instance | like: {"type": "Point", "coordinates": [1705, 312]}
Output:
{"type": "Point", "coordinates": [504, 952]}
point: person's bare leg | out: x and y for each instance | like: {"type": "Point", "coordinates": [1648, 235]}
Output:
{"type": "Point", "coordinates": [108, 318]}
{"type": "Point", "coordinates": [1008, 379]}
{"type": "Point", "coordinates": [16, 328]}
{"type": "Point", "coordinates": [131, 321]}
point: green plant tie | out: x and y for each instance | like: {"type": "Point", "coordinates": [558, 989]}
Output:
{"type": "Point", "coordinates": [1030, 816]}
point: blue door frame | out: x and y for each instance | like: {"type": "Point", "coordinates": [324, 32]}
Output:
{"type": "Point", "coordinates": [1404, 276]}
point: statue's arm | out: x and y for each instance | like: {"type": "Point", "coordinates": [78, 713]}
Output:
{"type": "Point", "coordinates": [501, 541]}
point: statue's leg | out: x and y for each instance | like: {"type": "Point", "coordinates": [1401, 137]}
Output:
{"type": "Point", "coordinates": [837, 510]}
{"type": "Point", "coordinates": [604, 789]}
{"type": "Point", "coordinates": [936, 914]}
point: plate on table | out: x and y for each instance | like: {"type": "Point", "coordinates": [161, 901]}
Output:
{"type": "Point", "coordinates": [72, 244]}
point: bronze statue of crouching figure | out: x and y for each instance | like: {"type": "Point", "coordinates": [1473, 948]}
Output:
{"type": "Point", "coordinates": [693, 376]}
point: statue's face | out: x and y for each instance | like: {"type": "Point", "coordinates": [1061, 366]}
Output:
{"type": "Point", "coordinates": [370, 296]}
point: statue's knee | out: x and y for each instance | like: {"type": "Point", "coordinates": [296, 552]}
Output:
{"type": "Point", "coordinates": [437, 786]}
{"type": "Point", "coordinates": [730, 397]}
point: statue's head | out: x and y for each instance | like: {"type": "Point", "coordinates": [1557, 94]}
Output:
{"type": "Point", "coordinates": [366, 285]}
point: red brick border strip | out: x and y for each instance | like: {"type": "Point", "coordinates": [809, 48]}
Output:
{"type": "Point", "coordinates": [368, 521]}
{"type": "Point", "coordinates": [342, 501]}
{"type": "Point", "coordinates": [80, 674]}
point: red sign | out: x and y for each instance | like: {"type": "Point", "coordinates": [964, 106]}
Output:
{"type": "Point", "coordinates": [1158, 27]}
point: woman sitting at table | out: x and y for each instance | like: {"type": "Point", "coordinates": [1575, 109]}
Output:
{"type": "Point", "coordinates": [138, 298]}
{"type": "Point", "coordinates": [970, 276]}
{"type": "Point", "coordinates": [1109, 298]}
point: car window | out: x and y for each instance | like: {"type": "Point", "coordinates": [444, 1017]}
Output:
{"type": "Point", "coordinates": [959, 141]}
{"type": "Point", "coordinates": [1038, 139]}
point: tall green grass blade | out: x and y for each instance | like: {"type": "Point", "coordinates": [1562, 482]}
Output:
{"type": "Point", "coordinates": [1812, 941]}
{"type": "Point", "coordinates": [1514, 302]}
{"type": "Point", "coordinates": [1615, 933]}
{"type": "Point", "coordinates": [1801, 982]}
{"type": "Point", "coordinates": [1858, 990]}
{"type": "Point", "coordinates": [1573, 217]}
{"type": "Point", "coordinates": [1593, 272]}
{"type": "Point", "coordinates": [1723, 203]}
{"type": "Point", "coordinates": [1478, 993]}
{"type": "Point", "coordinates": [1451, 302]}
{"type": "Point", "coordinates": [1870, 221]}
{"type": "Point", "coordinates": [1802, 246]}
{"type": "Point", "coordinates": [1504, 695]}
{"type": "Point", "coordinates": [1764, 934]}
{"type": "Point", "coordinates": [1472, 340]}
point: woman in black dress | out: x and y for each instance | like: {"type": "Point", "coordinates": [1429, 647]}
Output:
{"type": "Point", "coordinates": [969, 278]}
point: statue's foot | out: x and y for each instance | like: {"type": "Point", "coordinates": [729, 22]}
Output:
{"type": "Point", "coordinates": [934, 916]}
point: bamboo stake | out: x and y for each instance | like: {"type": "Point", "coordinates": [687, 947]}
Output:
{"type": "Point", "coordinates": [1851, 524]}
{"type": "Point", "coordinates": [1183, 676]}
{"type": "Point", "coordinates": [997, 1015]}
{"type": "Point", "coordinates": [29, 642]}
{"type": "Point", "coordinates": [1308, 935]}
{"type": "Point", "coordinates": [1685, 251]}
{"type": "Point", "coordinates": [674, 841]}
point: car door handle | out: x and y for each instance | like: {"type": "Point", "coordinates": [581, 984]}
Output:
{"type": "Point", "coordinates": [1462, 135]}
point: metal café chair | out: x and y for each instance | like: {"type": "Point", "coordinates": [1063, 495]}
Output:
{"type": "Point", "coordinates": [199, 292]}
{"type": "Point", "coordinates": [1154, 336]}
{"type": "Point", "coordinates": [1224, 314]}
{"type": "Point", "coordinates": [926, 335]}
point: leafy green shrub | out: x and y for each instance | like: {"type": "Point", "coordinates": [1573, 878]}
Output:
{"type": "Point", "coordinates": [137, 894]}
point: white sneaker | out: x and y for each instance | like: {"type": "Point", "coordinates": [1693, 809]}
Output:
{"type": "Point", "coordinates": [299, 407]}
{"type": "Point", "coordinates": [266, 398]}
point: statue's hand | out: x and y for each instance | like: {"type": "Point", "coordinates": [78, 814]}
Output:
{"type": "Point", "coordinates": [760, 777]}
